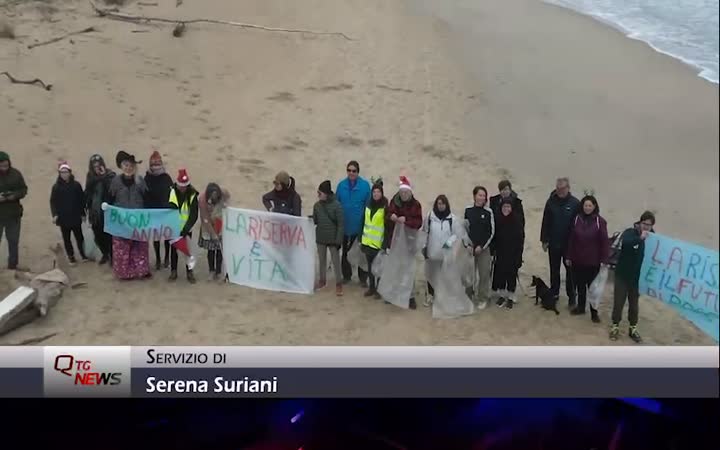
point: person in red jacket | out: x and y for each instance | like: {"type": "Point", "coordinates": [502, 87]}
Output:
{"type": "Point", "coordinates": [403, 210]}
{"type": "Point", "coordinates": [588, 247]}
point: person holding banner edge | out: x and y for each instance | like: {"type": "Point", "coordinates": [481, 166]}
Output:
{"type": "Point", "coordinates": [353, 193]}
{"type": "Point", "coordinates": [211, 204]}
{"type": "Point", "coordinates": [184, 198]}
{"type": "Point", "coordinates": [328, 217]}
{"type": "Point", "coordinates": [97, 191]}
{"type": "Point", "coordinates": [159, 184]}
{"type": "Point", "coordinates": [129, 257]}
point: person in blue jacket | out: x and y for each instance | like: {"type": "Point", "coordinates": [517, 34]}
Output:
{"type": "Point", "coordinates": [353, 193]}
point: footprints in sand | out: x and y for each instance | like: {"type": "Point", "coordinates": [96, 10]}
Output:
{"type": "Point", "coordinates": [332, 88]}
{"type": "Point", "coordinates": [282, 97]}
{"type": "Point", "coordinates": [449, 155]}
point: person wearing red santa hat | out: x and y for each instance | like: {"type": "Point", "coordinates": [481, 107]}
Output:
{"type": "Point", "coordinates": [184, 198]}
{"type": "Point", "coordinates": [67, 206]}
{"type": "Point", "coordinates": [159, 184]}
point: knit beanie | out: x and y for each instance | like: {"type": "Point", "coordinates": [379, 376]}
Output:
{"type": "Point", "coordinates": [156, 158]}
{"type": "Point", "coordinates": [325, 187]}
{"type": "Point", "coordinates": [4, 156]}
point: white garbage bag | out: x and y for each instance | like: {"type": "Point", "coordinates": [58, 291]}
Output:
{"type": "Point", "coordinates": [446, 277]}
{"type": "Point", "coordinates": [597, 288]}
{"type": "Point", "coordinates": [397, 282]}
{"type": "Point", "coordinates": [378, 264]}
{"type": "Point", "coordinates": [356, 257]}
{"type": "Point", "coordinates": [89, 247]}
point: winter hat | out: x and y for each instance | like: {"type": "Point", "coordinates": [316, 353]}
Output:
{"type": "Point", "coordinates": [325, 187]}
{"type": "Point", "coordinates": [504, 184]}
{"type": "Point", "coordinates": [123, 156]}
{"type": "Point", "coordinates": [156, 158]}
{"type": "Point", "coordinates": [183, 179]}
{"type": "Point", "coordinates": [405, 183]}
{"type": "Point", "coordinates": [63, 165]}
{"type": "Point", "coordinates": [4, 157]}
{"type": "Point", "coordinates": [283, 178]}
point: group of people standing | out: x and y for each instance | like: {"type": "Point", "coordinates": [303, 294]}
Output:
{"type": "Point", "coordinates": [357, 213]}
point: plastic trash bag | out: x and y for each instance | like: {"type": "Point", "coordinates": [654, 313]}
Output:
{"type": "Point", "coordinates": [356, 257]}
{"type": "Point", "coordinates": [89, 247]}
{"type": "Point", "coordinates": [398, 274]}
{"type": "Point", "coordinates": [451, 300]}
{"type": "Point", "coordinates": [597, 288]}
{"type": "Point", "coordinates": [378, 264]}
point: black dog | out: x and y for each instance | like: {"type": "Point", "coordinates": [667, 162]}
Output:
{"type": "Point", "coordinates": [544, 296]}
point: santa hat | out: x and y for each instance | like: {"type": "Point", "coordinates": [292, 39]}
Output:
{"type": "Point", "coordinates": [183, 180]}
{"type": "Point", "coordinates": [405, 183]}
{"type": "Point", "coordinates": [63, 165]}
{"type": "Point", "coordinates": [155, 158]}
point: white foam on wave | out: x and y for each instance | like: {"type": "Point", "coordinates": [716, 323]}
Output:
{"type": "Point", "coordinates": [683, 29]}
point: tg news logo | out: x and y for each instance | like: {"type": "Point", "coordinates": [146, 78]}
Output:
{"type": "Point", "coordinates": [82, 372]}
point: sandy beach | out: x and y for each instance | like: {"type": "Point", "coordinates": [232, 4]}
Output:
{"type": "Point", "coordinates": [456, 96]}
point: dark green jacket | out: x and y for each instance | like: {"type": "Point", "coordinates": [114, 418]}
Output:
{"type": "Point", "coordinates": [632, 252]}
{"type": "Point", "coordinates": [328, 216]}
{"type": "Point", "coordinates": [14, 189]}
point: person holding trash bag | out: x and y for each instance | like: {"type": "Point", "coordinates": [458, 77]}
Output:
{"type": "Point", "coordinates": [353, 193]}
{"type": "Point", "coordinates": [403, 210]}
{"type": "Point", "coordinates": [67, 207]}
{"type": "Point", "coordinates": [441, 227]}
{"type": "Point", "coordinates": [481, 231]}
{"type": "Point", "coordinates": [373, 234]}
{"type": "Point", "coordinates": [184, 198]}
{"type": "Point", "coordinates": [97, 191]}
{"type": "Point", "coordinates": [211, 205]}
{"type": "Point", "coordinates": [159, 184]}
{"type": "Point", "coordinates": [508, 245]}
{"type": "Point", "coordinates": [329, 219]}
{"type": "Point", "coordinates": [128, 190]}
{"type": "Point", "coordinates": [627, 275]}
{"type": "Point", "coordinates": [588, 248]}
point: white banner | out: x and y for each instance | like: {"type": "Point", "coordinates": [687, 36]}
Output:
{"type": "Point", "coordinates": [269, 251]}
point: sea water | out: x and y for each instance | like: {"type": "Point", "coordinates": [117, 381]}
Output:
{"type": "Point", "coordinates": [684, 29]}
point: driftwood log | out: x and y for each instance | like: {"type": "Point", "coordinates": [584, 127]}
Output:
{"type": "Point", "coordinates": [109, 14]}
{"type": "Point", "coordinates": [37, 81]}
{"type": "Point", "coordinates": [60, 38]}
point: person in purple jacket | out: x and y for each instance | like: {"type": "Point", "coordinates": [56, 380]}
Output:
{"type": "Point", "coordinates": [588, 248]}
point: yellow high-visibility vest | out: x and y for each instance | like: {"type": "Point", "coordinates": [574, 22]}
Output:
{"type": "Point", "coordinates": [184, 208]}
{"type": "Point", "coordinates": [374, 229]}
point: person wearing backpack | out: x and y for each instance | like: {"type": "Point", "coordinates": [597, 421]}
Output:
{"type": "Point", "coordinates": [588, 248]}
{"type": "Point", "coordinates": [328, 217]}
{"type": "Point", "coordinates": [441, 228]}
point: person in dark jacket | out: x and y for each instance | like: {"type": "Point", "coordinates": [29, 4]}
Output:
{"type": "Point", "coordinates": [405, 210]}
{"type": "Point", "coordinates": [159, 184]}
{"type": "Point", "coordinates": [506, 192]}
{"type": "Point", "coordinates": [560, 210]}
{"type": "Point", "coordinates": [67, 207]}
{"type": "Point", "coordinates": [97, 191]}
{"type": "Point", "coordinates": [353, 193]}
{"type": "Point", "coordinates": [627, 275]}
{"type": "Point", "coordinates": [329, 218]}
{"type": "Point", "coordinates": [481, 232]}
{"type": "Point", "coordinates": [283, 199]}
{"type": "Point", "coordinates": [588, 248]}
{"type": "Point", "coordinates": [509, 242]}
{"type": "Point", "coordinates": [184, 198]}
{"type": "Point", "coordinates": [12, 190]}
{"type": "Point", "coordinates": [373, 236]}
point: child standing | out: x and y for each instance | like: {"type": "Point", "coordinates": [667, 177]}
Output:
{"type": "Point", "coordinates": [67, 206]}
{"type": "Point", "coordinates": [328, 217]}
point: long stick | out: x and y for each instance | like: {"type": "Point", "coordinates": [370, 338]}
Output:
{"type": "Point", "coordinates": [14, 80]}
{"type": "Point", "coordinates": [36, 340]}
{"type": "Point", "coordinates": [135, 19]}
{"type": "Point", "coordinates": [60, 38]}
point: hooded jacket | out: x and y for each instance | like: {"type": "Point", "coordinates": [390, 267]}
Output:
{"type": "Point", "coordinates": [353, 200]}
{"type": "Point", "coordinates": [212, 215]}
{"type": "Point", "coordinates": [632, 252]}
{"type": "Point", "coordinates": [557, 220]}
{"type": "Point", "coordinates": [97, 191]}
{"type": "Point", "coordinates": [158, 190]}
{"type": "Point", "coordinates": [410, 210]}
{"type": "Point", "coordinates": [14, 189]}
{"type": "Point", "coordinates": [517, 207]}
{"type": "Point", "coordinates": [442, 233]}
{"type": "Point", "coordinates": [67, 203]}
{"type": "Point", "coordinates": [329, 217]}
{"type": "Point", "coordinates": [588, 245]}
{"type": "Point", "coordinates": [509, 242]}
{"type": "Point", "coordinates": [287, 201]}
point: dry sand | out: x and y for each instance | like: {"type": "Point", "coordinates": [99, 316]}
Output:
{"type": "Point", "coordinates": [235, 106]}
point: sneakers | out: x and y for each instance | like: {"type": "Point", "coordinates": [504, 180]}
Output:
{"type": "Point", "coordinates": [72, 260]}
{"type": "Point", "coordinates": [500, 303]}
{"type": "Point", "coordinates": [614, 332]}
{"type": "Point", "coordinates": [158, 266]}
{"type": "Point", "coordinates": [428, 301]}
{"type": "Point", "coordinates": [509, 304]}
{"type": "Point", "coordinates": [191, 277]}
{"type": "Point", "coordinates": [482, 305]}
{"type": "Point", "coordinates": [173, 275]}
{"type": "Point", "coordinates": [413, 305]}
{"type": "Point", "coordinates": [572, 302]}
{"type": "Point", "coordinates": [369, 293]}
{"type": "Point", "coordinates": [577, 311]}
{"type": "Point", "coordinates": [594, 316]}
{"type": "Point", "coordinates": [339, 290]}
{"type": "Point", "coordinates": [634, 334]}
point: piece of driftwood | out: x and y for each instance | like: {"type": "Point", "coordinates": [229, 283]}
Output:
{"type": "Point", "coordinates": [64, 36]}
{"type": "Point", "coordinates": [143, 19]}
{"type": "Point", "coordinates": [36, 340]}
{"type": "Point", "coordinates": [38, 81]}
{"type": "Point", "coordinates": [147, 4]}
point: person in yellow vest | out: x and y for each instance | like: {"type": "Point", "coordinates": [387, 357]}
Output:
{"type": "Point", "coordinates": [184, 198]}
{"type": "Point", "coordinates": [373, 232]}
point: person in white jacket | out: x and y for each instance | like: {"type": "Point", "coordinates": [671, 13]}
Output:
{"type": "Point", "coordinates": [442, 228]}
